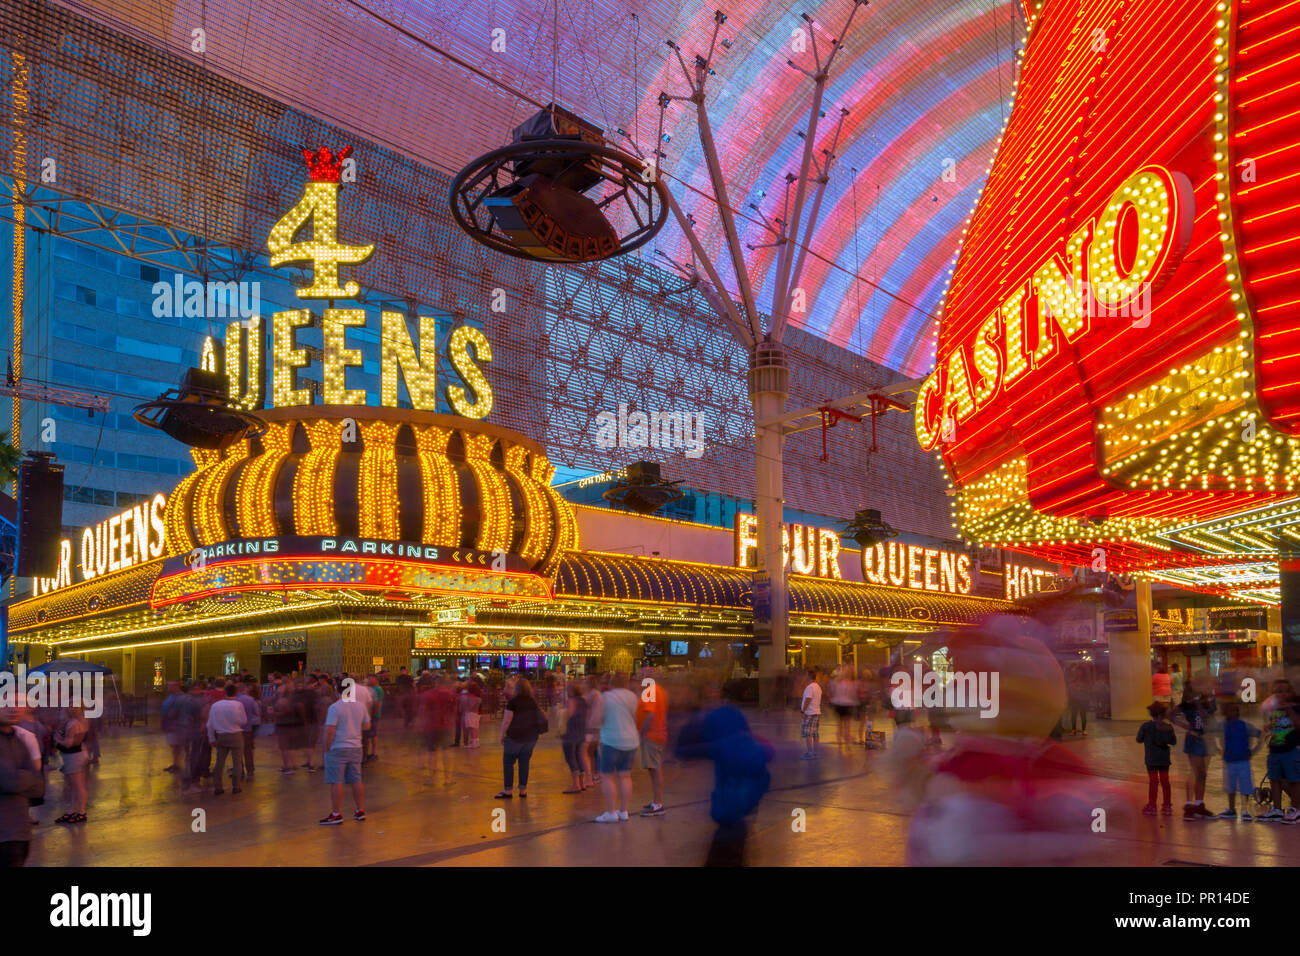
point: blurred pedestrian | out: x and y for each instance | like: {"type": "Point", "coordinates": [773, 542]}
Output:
{"type": "Point", "coordinates": [1280, 729]}
{"type": "Point", "coordinates": [227, 721]}
{"type": "Point", "coordinates": [1192, 714]}
{"type": "Point", "coordinates": [247, 697]}
{"type": "Point", "coordinates": [595, 718]}
{"type": "Point", "coordinates": [1080, 692]}
{"type": "Point", "coordinates": [70, 739]}
{"type": "Point", "coordinates": [345, 723]}
{"type": "Point", "coordinates": [652, 723]}
{"type": "Point", "coordinates": [811, 708]}
{"type": "Point", "coordinates": [1157, 738]}
{"type": "Point", "coordinates": [1240, 742]}
{"type": "Point", "coordinates": [371, 739]}
{"type": "Point", "coordinates": [469, 705]}
{"type": "Point", "coordinates": [21, 783]}
{"type": "Point", "coordinates": [618, 747]}
{"type": "Point", "coordinates": [845, 699]}
{"type": "Point", "coordinates": [574, 740]}
{"type": "Point", "coordinates": [174, 712]}
{"type": "Point", "coordinates": [740, 776]}
{"type": "Point", "coordinates": [521, 725]}
{"type": "Point", "coordinates": [436, 718]}
{"type": "Point", "coordinates": [1162, 686]}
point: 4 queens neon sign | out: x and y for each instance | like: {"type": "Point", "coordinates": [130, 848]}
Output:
{"type": "Point", "coordinates": [1120, 255]}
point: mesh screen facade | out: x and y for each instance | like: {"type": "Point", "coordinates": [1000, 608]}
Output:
{"type": "Point", "coordinates": [154, 135]}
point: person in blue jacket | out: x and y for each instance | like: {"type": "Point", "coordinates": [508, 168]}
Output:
{"type": "Point", "coordinates": [740, 775]}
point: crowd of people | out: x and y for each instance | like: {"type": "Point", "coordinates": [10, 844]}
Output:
{"type": "Point", "coordinates": [611, 728]}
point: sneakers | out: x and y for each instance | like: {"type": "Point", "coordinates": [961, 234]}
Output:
{"type": "Point", "coordinates": [234, 790]}
{"type": "Point", "coordinates": [359, 815]}
{"type": "Point", "coordinates": [333, 820]}
{"type": "Point", "coordinates": [1272, 816]}
{"type": "Point", "coordinates": [609, 816]}
{"type": "Point", "coordinates": [1149, 810]}
{"type": "Point", "coordinates": [218, 792]}
{"type": "Point", "coordinates": [1204, 811]}
{"type": "Point", "coordinates": [652, 810]}
{"type": "Point", "coordinates": [1227, 815]}
{"type": "Point", "coordinates": [1189, 812]}
{"type": "Point", "coordinates": [622, 814]}
{"type": "Point", "coordinates": [1245, 815]}
{"type": "Point", "coordinates": [1292, 816]}
{"type": "Point", "coordinates": [806, 756]}
{"type": "Point", "coordinates": [1167, 810]}
{"type": "Point", "coordinates": [287, 770]}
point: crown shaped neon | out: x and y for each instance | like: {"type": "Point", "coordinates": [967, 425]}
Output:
{"type": "Point", "coordinates": [324, 166]}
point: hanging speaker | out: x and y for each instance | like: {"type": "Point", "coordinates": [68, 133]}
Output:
{"type": "Point", "coordinates": [551, 221]}
{"type": "Point", "coordinates": [199, 414]}
{"type": "Point", "coordinates": [40, 516]}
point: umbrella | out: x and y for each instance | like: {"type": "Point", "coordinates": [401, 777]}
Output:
{"type": "Point", "coordinates": [68, 665]}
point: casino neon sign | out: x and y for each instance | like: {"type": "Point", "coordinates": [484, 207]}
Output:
{"type": "Point", "coordinates": [1111, 261]}
{"type": "Point", "coordinates": [1156, 167]}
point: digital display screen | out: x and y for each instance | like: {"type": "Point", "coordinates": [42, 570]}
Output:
{"type": "Point", "coordinates": [654, 648]}
{"type": "Point", "coordinates": [678, 648]}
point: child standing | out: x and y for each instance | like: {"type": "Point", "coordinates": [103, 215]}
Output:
{"type": "Point", "coordinates": [1158, 738]}
{"type": "Point", "coordinates": [1240, 741]}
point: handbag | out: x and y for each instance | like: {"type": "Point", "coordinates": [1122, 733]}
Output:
{"type": "Point", "coordinates": [543, 725]}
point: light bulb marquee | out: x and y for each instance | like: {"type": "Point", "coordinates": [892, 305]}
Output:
{"type": "Point", "coordinates": [399, 361]}
{"type": "Point", "coordinates": [1119, 346]}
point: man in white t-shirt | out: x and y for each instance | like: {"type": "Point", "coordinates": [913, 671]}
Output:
{"type": "Point", "coordinates": [811, 707]}
{"type": "Point", "coordinates": [346, 722]}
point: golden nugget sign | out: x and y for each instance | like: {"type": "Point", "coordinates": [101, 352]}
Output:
{"type": "Point", "coordinates": [120, 542]}
{"type": "Point", "coordinates": [815, 551]}
{"type": "Point", "coordinates": [1109, 266]}
{"type": "Point", "coordinates": [398, 358]}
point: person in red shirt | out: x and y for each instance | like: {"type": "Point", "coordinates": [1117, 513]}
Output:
{"type": "Point", "coordinates": [652, 723]}
{"type": "Point", "coordinates": [437, 720]}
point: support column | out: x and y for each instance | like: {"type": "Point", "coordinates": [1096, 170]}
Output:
{"type": "Point", "coordinates": [1289, 615]}
{"type": "Point", "coordinates": [1130, 663]}
{"type": "Point", "coordinates": [769, 387]}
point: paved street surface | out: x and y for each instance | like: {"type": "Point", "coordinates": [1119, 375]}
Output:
{"type": "Point", "coordinates": [855, 815]}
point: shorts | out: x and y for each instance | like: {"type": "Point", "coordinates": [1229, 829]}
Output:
{"type": "Point", "coordinates": [613, 760]}
{"type": "Point", "coordinates": [1194, 746]}
{"type": "Point", "coordinates": [177, 738]}
{"type": "Point", "coordinates": [652, 755]}
{"type": "Point", "coordinates": [594, 737]}
{"type": "Point", "coordinates": [843, 710]}
{"type": "Point", "coordinates": [811, 722]}
{"type": "Point", "coordinates": [1284, 766]}
{"type": "Point", "coordinates": [1236, 777]}
{"type": "Point", "coordinates": [437, 739]}
{"type": "Point", "coordinates": [373, 732]}
{"type": "Point", "coordinates": [74, 762]}
{"type": "Point", "coordinates": [343, 766]}
{"type": "Point", "coordinates": [470, 720]}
